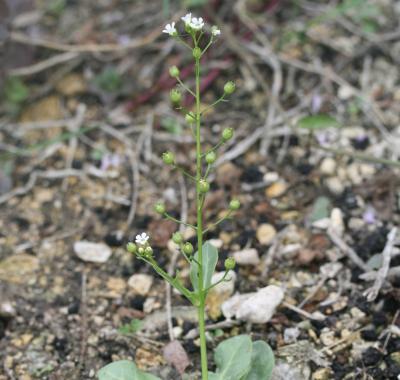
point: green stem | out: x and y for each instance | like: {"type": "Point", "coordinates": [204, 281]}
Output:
{"type": "Point", "coordinates": [199, 207]}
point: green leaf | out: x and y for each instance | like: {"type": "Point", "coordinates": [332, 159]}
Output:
{"type": "Point", "coordinates": [262, 362]}
{"type": "Point", "coordinates": [15, 90]}
{"type": "Point", "coordinates": [321, 209]}
{"type": "Point", "coordinates": [131, 328]}
{"type": "Point", "coordinates": [210, 259]}
{"type": "Point", "coordinates": [109, 80]}
{"type": "Point", "coordinates": [233, 358]}
{"type": "Point", "coordinates": [320, 121]}
{"type": "Point", "coordinates": [124, 370]}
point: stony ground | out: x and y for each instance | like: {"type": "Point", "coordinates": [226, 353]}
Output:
{"type": "Point", "coordinates": [84, 120]}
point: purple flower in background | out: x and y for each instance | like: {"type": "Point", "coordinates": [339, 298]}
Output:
{"type": "Point", "coordinates": [110, 160]}
{"type": "Point", "coordinates": [369, 215]}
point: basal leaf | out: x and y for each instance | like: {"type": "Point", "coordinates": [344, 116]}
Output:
{"type": "Point", "coordinates": [262, 362]}
{"type": "Point", "coordinates": [124, 370]}
{"type": "Point", "coordinates": [233, 358]}
{"type": "Point", "coordinates": [320, 121]}
{"type": "Point", "coordinates": [210, 259]}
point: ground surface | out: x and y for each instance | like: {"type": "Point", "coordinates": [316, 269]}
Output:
{"type": "Point", "coordinates": [84, 120]}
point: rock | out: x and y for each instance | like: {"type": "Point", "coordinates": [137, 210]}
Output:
{"type": "Point", "coordinates": [335, 185]}
{"type": "Point", "coordinates": [219, 293]}
{"type": "Point", "coordinates": [7, 310]}
{"type": "Point", "coordinates": [116, 286]}
{"type": "Point", "coordinates": [19, 268]}
{"type": "Point", "coordinates": [354, 173]}
{"type": "Point", "coordinates": [256, 307]}
{"type": "Point", "coordinates": [283, 371]}
{"type": "Point", "coordinates": [247, 257]}
{"type": "Point", "coordinates": [322, 374]}
{"type": "Point", "coordinates": [276, 189]}
{"type": "Point", "coordinates": [327, 337]}
{"type": "Point", "coordinates": [328, 166]}
{"type": "Point", "coordinates": [92, 252]}
{"type": "Point", "coordinates": [72, 84]}
{"type": "Point", "coordinates": [291, 334]}
{"type": "Point", "coordinates": [336, 221]}
{"type": "Point", "coordinates": [266, 233]}
{"type": "Point", "coordinates": [141, 283]}
{"type": "Point", "coordinates": [48, 108]}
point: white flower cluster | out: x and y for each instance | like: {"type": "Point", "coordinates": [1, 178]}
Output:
{"type": "Point", "coordinates": [195, 23]}
{"type": "Point", "coordinates": [142, 238]}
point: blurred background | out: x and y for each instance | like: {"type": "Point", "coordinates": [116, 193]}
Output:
{"type": "Point", "coordinates": [84, 118]}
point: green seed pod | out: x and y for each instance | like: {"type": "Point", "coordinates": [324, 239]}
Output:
{"type": "Point", "coordinates": [159, 208]}
{"type": "Point", "coordinates": [204, 186]}
{"type": "Point", "coordinates": [188, 248]}
{"type": "Point", "coordinates": [190, 118]}
{"type": "Point", "coordinates": [175, 96]}
{"type": "Point", "coordinates": [229, 88]}
{"type": "Point", "coordinates": [174, 72]}
{"type": "Point", "coordinates": [197, 52]}
{"type": "Point", "coordinates": [211, 157]}
{"type": "Point", "coordinates": [227, 134]}
{"type": "Point", "coordinates": [148, 251]}
{"type": "Point", "coordinates": [131, 247]}
{"type": "Point", "coordinates": [168, 158]}
{"type": "Point", "coordinates": [177, 238]}
{"type": "Point", "coordinates": [234, 205]}
{"type": "Point", "coordinates": [230, 263]}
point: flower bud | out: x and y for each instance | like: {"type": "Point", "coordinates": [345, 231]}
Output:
{"type": "Point", "coordinates": [148, 251]}
{"type": "Point", "coordinates": [229, 88]}
{"type": "Point", "coordinates": [211, 157]}
{"type": "Point", "coordinates": [168, 158]}
{"type": "Point", "coordinates": [159, 208]}
{"type": "Point", "coordinates": [140, 250]}
{"type": "Point", "coordinates": [175, 96]}
{"type": "Point", "coordinates": [177, 238]}
{"type": "Point", "coordinates": [197, 52]}
{"type": "Point", "coordinates": [190, 118]}
{"type": "Point", "coordinates": [204, 186]}
{"type": "Point", "coordinates": [188, 248]}
{"type": "Point", "coordinates": [131, 247]}
{"type": "Point", "coordinates": [234, 205]}
{"type": "Point", "coordinates": [230, 263]}
{"type": "Point", "coordinates": [174, 72]}
{"type": "Point", "coordinates": [227, 134]}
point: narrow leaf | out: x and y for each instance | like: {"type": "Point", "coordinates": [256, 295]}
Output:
{"type": "Point", "coordinates": [210, 259]}
{"type": "Point", "coordinates": [233, 358]}
{"type": "Point", "coordinates": [262, 362]}
{"type": "Point", "coordinates": [124, 370]}
{"type": "Point", "coordinates": [320, 121]}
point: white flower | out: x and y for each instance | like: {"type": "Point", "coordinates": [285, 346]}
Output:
{"type": "Point", "coordinates": [196, 23]}
{"type": "Point", "coordinates": [142, 238]}
{"type": "Point", "coordinates": [170, 29]}
{"type": "Point", "coordinates": [187, 19]}
{"type": "Point", "coordinates": [215, 31]}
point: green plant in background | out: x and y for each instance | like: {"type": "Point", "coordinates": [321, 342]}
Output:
{"type": "Point", "coordinates": [132, 327]}
{"type": "Point", "coordinates": [237, 358]}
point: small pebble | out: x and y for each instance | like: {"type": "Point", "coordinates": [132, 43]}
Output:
{"type": "Point", "coordinates": [140, 283]}
{"type": "Point", "coordinates": [265, 233]}
{"type": "Point", "coordinates": [92, 252]}
{"type": "Point", "coordinates": [276, 189]}
{"type": "Point", "coordinates": [247, 257]}
{"type": "Point", "coordinates": [335, 185]}
{"type": "Point", "coordinates": [371, 356]}
{"type": "Point", "coordinates": [328, 166]}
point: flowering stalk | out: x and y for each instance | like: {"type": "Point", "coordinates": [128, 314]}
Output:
{"type": "Point", "coordinates": [203, 262]}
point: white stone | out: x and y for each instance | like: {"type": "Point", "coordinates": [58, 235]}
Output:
{"type": "Point", "coordinates": [328, 166]}
{"type": "Point", "coordinates": [336, 221]}
{"type": "Point", "coordinates": [354, 173]}
{"type": "Point", "coordinates": [247, 257]}
{"type": "Point", "coordinates": [92, 252]}
{"type": "Point", "coordinates": [345, 92]}
{"type": "Point", "coordinates": [291, 334]}
{"type": "Point", "coordinates": [141, 283]}
{"type": "Point", "coordinates": [335, 185]}
{"type": "Point", "coordinates": [256, 307]}
{"type": "Point", "coordinates": [224, 287]}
